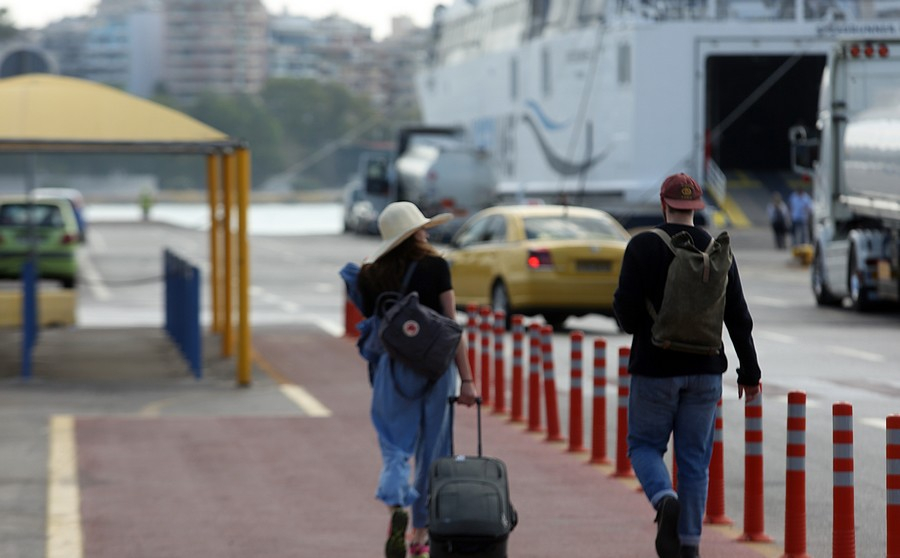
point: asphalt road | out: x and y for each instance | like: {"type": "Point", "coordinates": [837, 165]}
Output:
{"type": "Point", "coordinates": [831, 354]}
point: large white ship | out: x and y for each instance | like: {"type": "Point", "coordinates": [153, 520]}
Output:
{"type": "Point", "coordinates": [594, 102]}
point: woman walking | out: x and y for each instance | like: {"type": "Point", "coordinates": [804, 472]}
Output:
{"type": "Point", "coordinates": [410, 413]}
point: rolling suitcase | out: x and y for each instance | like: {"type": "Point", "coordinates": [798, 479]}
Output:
{"type": "Point", "coordinates": [469, 508]}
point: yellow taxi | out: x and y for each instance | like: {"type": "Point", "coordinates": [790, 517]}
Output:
{"type": "Point", "coordinates": [554, 260]}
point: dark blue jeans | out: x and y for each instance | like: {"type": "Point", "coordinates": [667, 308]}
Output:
{"type": "Point", "coordinates": [685, 407]}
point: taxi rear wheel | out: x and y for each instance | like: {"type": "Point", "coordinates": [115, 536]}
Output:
{"type": "Point", "coordinates": [556, 319]}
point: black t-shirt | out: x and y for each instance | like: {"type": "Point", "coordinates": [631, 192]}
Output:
{"type": "Point", "coordinates": [430, 279]}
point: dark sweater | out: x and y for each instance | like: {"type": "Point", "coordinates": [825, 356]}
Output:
{"type": "Point", "coordinates": [644, 268]}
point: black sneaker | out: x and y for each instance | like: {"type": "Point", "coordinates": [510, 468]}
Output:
{"type": "Point", "coordinates": [690, 551]}
{"type": "Point", "coordinates": [667, 543]}
{"type": "Point", "coordinates": [395, 547]}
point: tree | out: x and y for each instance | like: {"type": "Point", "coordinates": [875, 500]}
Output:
{"type": "Point", "coordinates": [317, 118]}
{"type": "Point", "coordinates": [7, 28]}
{"type": "Point", "coordinates": [245, 117]}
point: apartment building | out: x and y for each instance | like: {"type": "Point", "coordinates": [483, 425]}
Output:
{"type": "Point", "coordinates": [218, 46]}
{"type": "Point", "coordinates": [188, 47]}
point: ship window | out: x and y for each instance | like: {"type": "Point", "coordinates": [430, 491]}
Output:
{"type": "Point", "coordinates": [624, 70]}
{"type": "Point", "coordinates": [546, 79]}
{"type": "Point", "coordinates": [513, 79]}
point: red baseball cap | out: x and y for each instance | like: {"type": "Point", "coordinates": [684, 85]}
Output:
{"type": "Point", "coordinates": [680, 191]}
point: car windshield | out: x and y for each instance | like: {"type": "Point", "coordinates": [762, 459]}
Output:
{"type": "Point", "coordinates": [570, 228]}
{"type": "Point", "coordinates": [42, 215]}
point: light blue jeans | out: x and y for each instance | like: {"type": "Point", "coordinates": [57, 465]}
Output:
{"type": "Point", "coordinates": [685, 407]}
{"type": "Point", "coordinates": [412, 420]}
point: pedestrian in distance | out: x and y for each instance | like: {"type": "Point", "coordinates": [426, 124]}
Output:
{"type": "Point", "coordinates": [410, 413]}
{"type": "Point", "coordinates": [779, 219]}
{"type": "Point", "coordinates": [800, 204]}
{"type": "Point", "coordinates": [676, 382]}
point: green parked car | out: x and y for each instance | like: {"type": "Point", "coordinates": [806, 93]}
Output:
{"type": "Point", "coordinates": [53, 231]}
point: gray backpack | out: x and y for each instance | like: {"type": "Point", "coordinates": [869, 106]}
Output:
{"type": "Point", "coordinates": [415, 334]}
{"type": "Point", "coordinates": [692, 312]}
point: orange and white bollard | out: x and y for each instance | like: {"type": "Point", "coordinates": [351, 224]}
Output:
{"type": "Point", "coordinates": [518, 367]}
{"type": "Point", "coordinates": [534, 378]}
{"type": "Point", "coordinates": [754, 500]}
{"type": "Point", "coordinates": [576, 397]}
{"type": "Point", "coordinates": [472, 338]}
{"type": "Point", "coordinates": [598, 413]}
{"type": "Point", "coordinates": [499, 363]}
{"type": "Point", "coordinates": [486, 327]}
{"type": "Point", "coordinates": [843, 540]}
{"type": "Point", "coordinates": [553, 428]}
{"type": "Point", "coordinates": [715, 500]}
{"type": "Point", "coordinates": [893, 486]}
{"type": "Point", "coordinates": [795, 478]}
{"type": "Point", "coordinates": [623, 463]}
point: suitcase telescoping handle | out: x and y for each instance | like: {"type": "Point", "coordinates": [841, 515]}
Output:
{"type": "Point", "coordinates": [453, 400]}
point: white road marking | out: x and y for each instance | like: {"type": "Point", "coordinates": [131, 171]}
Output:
{"type": "Point", "coordinates": [856, 353]}
{"type": "Point", "coordinates": [303, 399]}
{"type": "Point", "coordinates": [773, 336]}
{"type": "Point", "coordinates": [255, 290]}
{"type": "Point", "coordinates": [332, 328]}
{"type": "Point", "coordinates": [876, 422]}
{"type": "Point", "coordinates": [92, 277]}
{"type": "Point", "coordinates": [325, 287]}
{"type": "Point", "coordinates": [769, 301]}
{"type": "Point", "coordinates": [64, 535]}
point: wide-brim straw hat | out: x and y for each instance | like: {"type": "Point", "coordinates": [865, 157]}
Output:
{"type": "Point", "coordinates": [399, 221]}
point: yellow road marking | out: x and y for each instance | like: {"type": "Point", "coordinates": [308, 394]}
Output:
{"type": "Point", "coordinates": [735, 214]}
{"type": "Point", "coordinates": [302, 398]}
{"type": "Point", "coordinates": [310, 405]}
{"type": "Point", "coordinates": [64, 537]}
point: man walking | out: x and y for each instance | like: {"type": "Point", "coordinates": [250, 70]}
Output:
{"type": "Point", "coordinates": [675, 387]}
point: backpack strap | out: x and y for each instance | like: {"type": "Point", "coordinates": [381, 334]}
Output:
{"type": "Point", "coordinates": [408, 275]}
{"type": "Point", "coordinates": [709, 248]}
{"type": "Point", "coordinates": [706, 265]}
{"type": "Point", "coordinates": [666, 238]}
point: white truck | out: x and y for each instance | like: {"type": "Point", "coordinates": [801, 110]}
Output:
{"type": "Point", "coordinates": [435, 168]}
{"type": "Point", "coordinates": [854, 164]}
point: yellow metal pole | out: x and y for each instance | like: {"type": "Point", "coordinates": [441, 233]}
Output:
{"type": "Point", "coordinates": [213, 180]}
{"type": "Point", "coordinates": [228, 173]}
{"type": "Point", "coordinates": [243, 191]}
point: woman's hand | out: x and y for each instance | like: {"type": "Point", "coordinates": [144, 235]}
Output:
{"type": "Point", "coordinates": [467, 393]}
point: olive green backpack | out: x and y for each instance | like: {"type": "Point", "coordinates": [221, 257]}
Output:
{"type": "Point", "coordinates": [692, 312]}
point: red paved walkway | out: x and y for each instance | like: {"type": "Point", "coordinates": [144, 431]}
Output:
{"type": "Point", "coordinates": [294, 486]}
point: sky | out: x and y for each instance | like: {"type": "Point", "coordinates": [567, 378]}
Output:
{"type": "Point", "coordinates": [375, 14]}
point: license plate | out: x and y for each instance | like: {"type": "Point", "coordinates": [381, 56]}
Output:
{"type": "Point", "coordinates": [593, 266]}
{"type": "Point", "coordinates": [36, 236]}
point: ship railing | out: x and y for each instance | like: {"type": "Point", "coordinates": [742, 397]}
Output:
{"type": "Point", "coordinates": [716, 182]}
{"type": "Point", "coordinates": [760, 10]}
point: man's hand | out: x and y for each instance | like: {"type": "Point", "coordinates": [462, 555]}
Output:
{"type": "Point", "coordinates": [751, 391]}
{"type": "Point", "coordinates": [467, 394]}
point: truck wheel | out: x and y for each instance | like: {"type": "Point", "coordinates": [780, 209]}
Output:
{"type": "Point", "coordinates": [859, 299]}
{"type": "Point", "coordinates": [500, 301]}
{"type": "Point", "coordinates": [819, 284]}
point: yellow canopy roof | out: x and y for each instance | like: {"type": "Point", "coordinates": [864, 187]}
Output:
{"type": "Point", "coordinates": [45, 112]}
